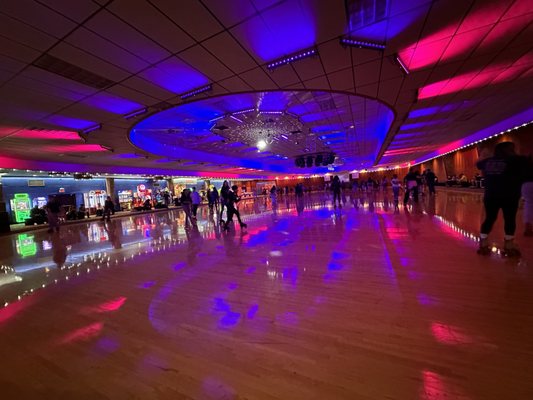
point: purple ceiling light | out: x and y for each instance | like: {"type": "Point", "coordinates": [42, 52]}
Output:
{"type": "Point", "coordinates": [135, 113]}
{"type": "Point", "coordinates": [270, 112]}
{"type": "Point", "coordinates": [244, 111]}
{"type": "Point", "coordinates": [235, 119]}
{"type": "Point", "coordinates": [401, 64]}
{"type": "Point", "coordinates": [295, 57]}
{"type": "Point", "coordinates": [361, 44]}
{"type": "Point", "coordinates": [92, 128]}
{"type": "Point", "coordinates": [197, 91]}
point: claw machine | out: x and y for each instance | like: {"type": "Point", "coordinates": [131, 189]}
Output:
{"type": "Point", "coordinates": [21, 206]}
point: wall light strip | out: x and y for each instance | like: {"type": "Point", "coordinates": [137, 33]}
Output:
{"type": "Point", "coordinates": [197, 91]}
{"type": "Point", "coordinates": [135, 113]}
{"type": "Point", "coordinates": [295, 57]}
{"type": "Point", "coordinates": [361, 44]}
{"type": "Point", "coordinates": [476, 142]}
{"type": "Point", "coordinates": [92, 128]}
{"type": "Point", "coordinates": [401, 64]}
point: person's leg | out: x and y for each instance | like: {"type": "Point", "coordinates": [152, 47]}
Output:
{"type": "Point", "coordinates": [415, 194]}
{"type": "Point", "coordinates": [406, 196]}
{"type": "Point", "coordinates": [527, 194]}
{"type": "Point", "coordinates": [510, 208]}
{"type": "Point", "coordinates": [230, 211]}
{"type": "Point", "coordinates": [492, 207]}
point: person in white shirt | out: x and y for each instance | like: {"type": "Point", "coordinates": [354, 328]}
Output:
{"type": "Point", "coordinates": [395, 182]}
{"type": "Point", "coordinates": [196, 200]}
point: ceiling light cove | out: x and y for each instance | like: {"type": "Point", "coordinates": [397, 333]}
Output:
{"type": "Point", "coordinates": [268, 130]}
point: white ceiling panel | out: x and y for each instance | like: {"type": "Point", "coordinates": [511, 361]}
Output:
{"type": "Point", "coordinates": [125, 36]}
{"type": "Point", "coordinates": [39, 17]}
{"type": "Point", "coordinates": [102, 48]}
{"type": "Point", "coordinates": [148, 88]}
{"type": "Point", "coordinates": [17, 51]}
{"type": "Point", "coordinates": [229, 16]}
{"type": "Point", "coordinates": [259, 79]}
{"type": "Point", "coordinates": [78, 10]}
{"type": "Point", "coordinates": [228, 50]}
{"type": "Point", "coordinates": [210, 66]}
{"type": "Point", "coordinates": [197, 21]}
{"type": "Point", "coordinates": [148, 20]}
{"type": "Point", "coordinates": [25, 34]}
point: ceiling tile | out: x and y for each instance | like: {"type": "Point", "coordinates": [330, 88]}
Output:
{"type": "Point", "coordinates": [152, 23]}
{"type": "Point", "coordinates": [204, 62]}
{"type": "Point", "coordinates": [197, 21]}
{"type": "Point", "coordinates": [122, 34]}
{"type": "Point", "coordinates": [226, 49]}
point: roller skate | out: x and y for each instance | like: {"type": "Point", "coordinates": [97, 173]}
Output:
{"type": "Point", "coordinates": [243, 225]}
{"type": "Point", "coordinates": [484, 248]}
{"type": "Point", "coordinates": [510, 249]}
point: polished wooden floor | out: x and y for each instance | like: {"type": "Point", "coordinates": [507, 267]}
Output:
{"type": "Point", "coordinates": [358, 303]}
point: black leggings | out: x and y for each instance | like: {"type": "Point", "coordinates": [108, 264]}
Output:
{"type": "Point", "coordinates": [233, 211]}
{"type": "Point", "coordinates": [336, 196]}
{"type": "Point", "coordinates": [509, 206]}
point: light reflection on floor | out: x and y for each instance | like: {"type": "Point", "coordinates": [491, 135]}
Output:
{"type": "Point", "coordinates": [308, 302]}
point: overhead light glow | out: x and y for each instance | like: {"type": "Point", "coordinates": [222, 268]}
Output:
{"type": "Point", "coordinates": [261, 145]}
{"type": "Point", "coordinates": [295, 57]}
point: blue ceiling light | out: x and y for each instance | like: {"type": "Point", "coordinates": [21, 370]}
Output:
{"type": "Point", "coordinates": [361, 44]}
{"type": "Point", "coordinates": [92, 128]}
{"type": "Point", "coordinates": [197, 91]}
{"type": "Point", "coordinates": [217, 118]}
{"type": "Point", "coordinates": [135, 113]}
{"type": "Point", "coordinates": [295, 57]}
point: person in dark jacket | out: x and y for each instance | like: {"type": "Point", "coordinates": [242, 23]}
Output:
{"type": "Point", "coordinates": [503, 176]}
{"type": "Point", "coordinates": [109, 208]}
{"type": "Point", "coordinates": [223, 198]}
{"type": "Point", "coordinates": [527, 194]}
{"type": "Point", "coordinates": [430, 181]}
{"type": "Point", "coordinates": [231, 201]}
{"type": "Point", "coordinates": [336, 188]}
{"type": "Point", "coordinates": [411, 185]}
{"type": "Point", "coordinates": [186, 203]}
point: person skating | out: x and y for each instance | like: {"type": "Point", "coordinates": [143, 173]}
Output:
{"type": "Point", "coordinates": [231, 201]}
{"type": "Point", "coordinates": [109, 208]}
{"type": "Point", "coordinates": [503, 175]}
{"type": "Point", "coordinates": [430, 181]}
{"type": "Point", "coordinates": [223, 198]}
{"type": "Point", "coordinates": [395, 182]}
{"type": "Point", "coordinates": [336, 188]}
{"type": "Point", "coordinates": [527, 194]}
{"type": "Point", "coordinates": [53, 209]}
{"type": "Point", "coordinates": [196, 200]}
{"type": "Point", "coordinates": [411, 185]}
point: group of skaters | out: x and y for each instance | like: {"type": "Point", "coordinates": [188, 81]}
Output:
{"type": "Point", "coordinates": [413, 185]}
{"type": "Point", "coordinates": [227, 198]}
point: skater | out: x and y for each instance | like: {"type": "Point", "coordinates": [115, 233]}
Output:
{"type": "Point", "coordinates": [196, 200]}
{"type": "Point", "coordinates": [527, 194]}
{"type": "Point", "coordinates": [53, 208]}
{"type": "Point", "coordinates": [186, 201]}
{"type": "Point", "coordinates": [336, 188]}
{"type": "Point", "coordinates": [430, 181]}
{"type": "Point", "coordinates": [109, 208]}
{"type": "Point", "coordinates": [231, 201]}
{"type": "Point", "coordinates": [411, 185]}
{"type": "Point", "coordinates": [223, 198]}
{"type": "Point", "coordinates": [503, 173]}
{"type": "Point", "coordinates": [212, 198]}
{"type": "Point", "coordinates": [395, 182]}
